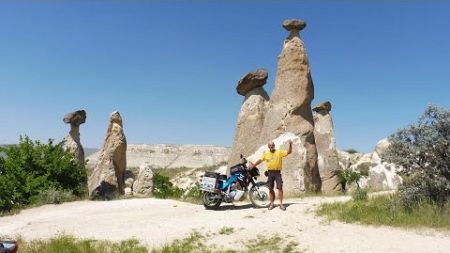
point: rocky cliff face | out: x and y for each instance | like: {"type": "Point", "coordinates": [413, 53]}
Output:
{"type": "Point", "coordinates": [107, 178]}
{"type": "Point", "coordinates": [171, 155]}
{"type": "Point", "coordinates": [251, 115]}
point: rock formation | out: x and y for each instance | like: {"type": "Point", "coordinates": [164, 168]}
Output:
{"type": "Point", "coordinates": [170, 156]}
{"type": "Point", "coordinates": [382, 175]}
{"type": "Point", "coordinates": [143, 185]}
{"type": "Point", "coordinates": [72, 141]}
{"type": "Point", "coordinates": [328, 161]}
{"type": "Point", "coordinates": [107, 179]}
{"type": "Point", "coordinates": [251, 115]}
{"type": "Point", "coordinates": [290, 108]}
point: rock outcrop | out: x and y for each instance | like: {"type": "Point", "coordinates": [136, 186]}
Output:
{"type": "Point", "coordinates": [107, 178]}
{"type": "Point", "coordinates": [328, 161]}
{"type": "Point", "coordinates": [72, 141]}
{"type": "Point", "coordinates": [292, 176]}
{"type": "Point", "coordinates": [382, 175]}
{"type": "Point", "coordinates": [143, 185]}
{"type": "Point", "coordinates": [251, 115]}
{"type": "Point", "coordinates": [290, 108]}
{"type": "Point", "coordinates": [170, 156]}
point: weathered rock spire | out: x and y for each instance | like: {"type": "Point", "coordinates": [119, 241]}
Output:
{"type": "Point", "coordinates": [251, 115]}
{"type": "Point", "coordinates": [328, 160]}
{"type": "Point", "coordinates": [107, 178]}
{"type": "Point", "coordinates": [72, 141]}
{"type": "Point", "coordinates": [290, 110]}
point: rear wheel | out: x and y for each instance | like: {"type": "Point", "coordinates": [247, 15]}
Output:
{"type": "Point", "coordinates": [259, 195]}
{"type": "Point", "coordinates": [211, 200]}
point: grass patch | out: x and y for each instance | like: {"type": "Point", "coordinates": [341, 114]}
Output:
{"type": "Point", "coordinates": [386, 210]}
{"type": "Point", "coordinates": [194, 243]}
{"type": "Point", "coordinates": [226, 231]}
{"type": "Point", "coordinates": [69, 244]}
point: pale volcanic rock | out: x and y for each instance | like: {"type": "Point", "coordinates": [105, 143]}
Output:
{"type": "Point", "coordinates": [326, 147]}
{"type": "Point", "coordinates": [251, 116]}
{"type": "Point", "coordinates": [290, 109]}
{"type": "Point", "coordinates": [143, 186]}
{"type": "Point", "coordinates": [169, 156]}
{"type": "Point", "coordinates": [107, 178]}
{"type": "Point", "coordinates": [72, 140]}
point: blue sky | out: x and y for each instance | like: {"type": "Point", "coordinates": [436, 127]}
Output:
{"type": "Point", "coordinates": [171, 68]}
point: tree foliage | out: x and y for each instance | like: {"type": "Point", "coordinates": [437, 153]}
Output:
{"type": "Point", "coordinates": [31, 167]}
{"type": "Point", "coordinates": [423, 152]}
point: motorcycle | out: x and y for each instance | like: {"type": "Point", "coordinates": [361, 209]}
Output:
{"type": "Point", "coordinates": [8, 246]}
{"type": "Point", "coordinates": [215, 187]}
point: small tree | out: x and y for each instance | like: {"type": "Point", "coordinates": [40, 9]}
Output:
{"type": "Point", "coordinates": [423, 152]}
{"type": "Point", "coordinates": [30, 168]}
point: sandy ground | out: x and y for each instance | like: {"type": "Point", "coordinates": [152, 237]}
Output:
{"type": "Point", "coordinates": [156, 222]}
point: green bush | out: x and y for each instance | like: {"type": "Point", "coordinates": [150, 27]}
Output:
{"type": "Point", "coordinates": [423, 152]}
{"type": "Point", "coordinates": [31, 168]}
{"type": "Point", "coordinates": [348, 176]}
{"type": "Point", "coordinates": [163, 188]}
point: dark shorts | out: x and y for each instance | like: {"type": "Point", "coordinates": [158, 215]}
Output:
{"type": "Point", "coordinates": [275, 176]}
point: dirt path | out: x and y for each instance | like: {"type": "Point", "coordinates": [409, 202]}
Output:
{"type": "Point", "coordinates": [156, 222]}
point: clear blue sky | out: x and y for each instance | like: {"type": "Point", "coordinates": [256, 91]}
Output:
{"type": "Point", "coordinates": [171, 68]}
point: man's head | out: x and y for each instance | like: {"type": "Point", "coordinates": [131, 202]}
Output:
{"type": "Point", "coordinates": [271, 146]}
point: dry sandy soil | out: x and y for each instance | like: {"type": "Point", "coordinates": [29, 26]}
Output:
{"type": "Point", "coordinates": [156, 222]}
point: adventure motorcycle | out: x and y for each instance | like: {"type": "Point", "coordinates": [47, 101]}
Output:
{"type": "Point", "coordinates": [8, 246]}
{"type": "Point", "coordinates": [216, 188]}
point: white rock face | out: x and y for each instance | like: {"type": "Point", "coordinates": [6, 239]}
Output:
{"type": "Point", "coordinates": [172, 156]}
{"type": "Point", "coordinates": [382, 175]}
{"type": "Point", "coordinates": [292, 175]}
{"type": "Point", "coordinates": [143, 185]}
{"type": "Point", "coordinates": [187, 179]}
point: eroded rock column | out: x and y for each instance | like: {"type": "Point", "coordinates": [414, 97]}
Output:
{"type": "Point", "coordinates": [107, 178]}
{"type": "Point", "coordinates": [328, 161]}
{"type": "Point", "coordinates": [251, 115]}
{"type": "Point", "coordinates": [72, 141]}
{"type": "Point", "coordinates": [290, 109]}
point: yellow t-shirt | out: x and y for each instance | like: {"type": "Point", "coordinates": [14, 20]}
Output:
{"type": "Point", "coordinates": [274, 160]}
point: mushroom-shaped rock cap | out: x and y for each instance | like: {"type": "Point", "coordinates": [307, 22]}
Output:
{"type": "Point", "coordinates": [75, 118]}
{"type": "Point", "coordinates": [294, 24]}
{"type": "Point", "coordinates": [324, 106]}
{"type": "Point", "coordinates": [252, 80]}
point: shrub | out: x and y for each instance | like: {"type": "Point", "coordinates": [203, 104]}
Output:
{"type": "Point", "coordinates": [348, 176]}
{"type": "Point", "coordinates": [423, 152]}
{"type": "Point", "coordinates": [30, 168]}
{"type": "Point", "coordinates": [351, 151]}
{"type": "Point", "coordinates": [163, 188]}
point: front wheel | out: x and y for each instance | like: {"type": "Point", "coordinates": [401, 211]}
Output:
{"type": "Point", "coordinates": [211, 200]}
{"type": "Point", "coordinates": [259, 195]}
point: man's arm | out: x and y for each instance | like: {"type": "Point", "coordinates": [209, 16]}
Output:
{"type": "Point", "coordinates": [253, 165]}
{"type": "Point", "coordinates": [290, 147]}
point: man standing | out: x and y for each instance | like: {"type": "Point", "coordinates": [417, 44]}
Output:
{"type": "Point", "coordinates": [274, 160]}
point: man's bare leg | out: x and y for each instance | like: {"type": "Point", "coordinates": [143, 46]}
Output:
{"type": "Point", "coordinates": [280, 196]}
{"type": "Point", "coordinates": [272, 196]}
